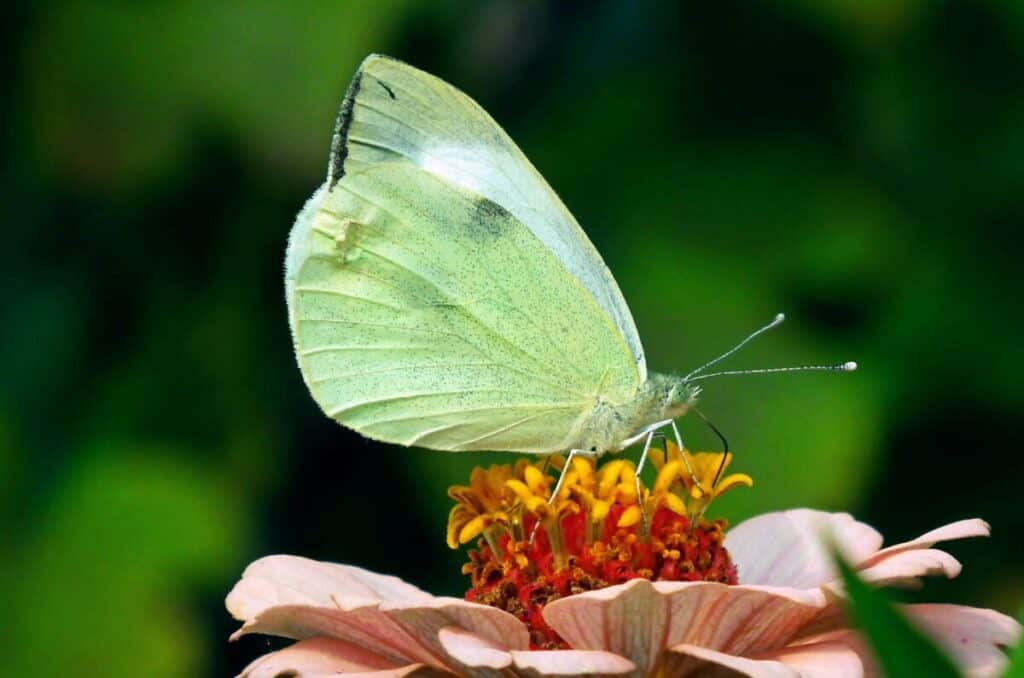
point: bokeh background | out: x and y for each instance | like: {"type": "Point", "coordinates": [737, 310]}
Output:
{"type": "Point", "coordinates": [857, 165]}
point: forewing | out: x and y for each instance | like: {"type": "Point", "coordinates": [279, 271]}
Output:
{"type": "Point", "coordinates": [397, 113]}
{"type": "Point", "coordinates": [424, 314]}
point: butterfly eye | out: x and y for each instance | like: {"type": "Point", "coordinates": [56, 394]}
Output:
{"type": "Point", "coordinates": [680, 396]}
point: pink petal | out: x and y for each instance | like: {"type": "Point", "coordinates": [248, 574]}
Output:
{"type": "Point", "coordinates": [490, 623]}
{"type": "Point", "coordinates": [300, 598]}
{"type": "Point", "coordinates": [321, 657]}
{"type": "Point", "coordinates": [474, 655]}
{"type": "Point", "coordinates": [367, 627]}
{"type": "Point", "coordinates": [411, 671]}
{"type": "Point", "coordinates": [971, 635]}
{"type": "Point", "coordinates": [961, 529]}
{"type": "Point", "coordinates": [692, 660]}
{"type": "Point", "coordinates": [478, 658]}
{"type": "Point", "coordinates": [639, 619]}
{"type": "Point", "coordinates": [904, 568]}
{"type": "Point", "coordinates": [787, 548]}
{"type": "Point", "coordinates": [828, 659]}
{"type": "Point", "coordinates": [571, 664]}
{"type": "Point", "coordinates": [275, 580]}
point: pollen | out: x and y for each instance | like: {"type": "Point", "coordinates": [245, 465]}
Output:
{"type": "Point", "coordinates": [603, 528]}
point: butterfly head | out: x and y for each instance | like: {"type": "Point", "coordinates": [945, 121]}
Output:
{"type": "Point", "coordinates": [668, 397]}
{"type": "Point", "coordinates": [679, 398]}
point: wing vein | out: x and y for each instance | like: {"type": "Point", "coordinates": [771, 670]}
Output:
{"type": "Point", "coordinates": [409, 396]}
{"type": "Point", "coordinates": [339, 349]}
{"type": "Point", "coordinates": [334, 321]}
{"type": "Point", "coordinates": [551, 407]}
{"type": "Point", "coordinates": [429, 366]}
{"type": "Point", "coordinates": [501, 429]}
{"type": "Point", "coordinates": [336, 293]}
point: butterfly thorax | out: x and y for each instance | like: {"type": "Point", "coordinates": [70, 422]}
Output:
{"type": "Point", "coordinates": [661, 397]}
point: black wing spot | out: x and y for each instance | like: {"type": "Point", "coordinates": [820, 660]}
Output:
{"type": "Point", "coordinates": [387, 89]}
{"type": "Point", "coordinates": [488, 209]}
{"type": "Point", "coordinates": [339, 145]}
{"type": "Point", "coordinates": [490, 221]}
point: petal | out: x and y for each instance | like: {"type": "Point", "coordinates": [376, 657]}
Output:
{"type": "Point", "coordinates": [478, 658]}
{"type": "Point", "coordinates": [971, 635]}
{"type": "Point", "coordinates": [535, 480]}
{"type": "Point", "coordinates": [706, 466]}
{"type": "Point", "coordinates": [322, 657]}
{"type": "Point", "coordinates": [274, 579]}
{"type": "Point", "coordinates": [904, 568]}
{"type": "Point", "coordinates": [299, 598]}
{"type": "Point", "coordinates": [814, 660]}
{"type": "Point", "coordinates": [787, 548]}
{"type": "Point", "coordinates": [473, 655]}
{"type": "Point", "coordinates": [555, 663]}
{"type": "Point", "coordinates": [639, 619]}
{"type": "Point", "coordinates": [692, 660]}
{"type": "Point", "coordinates": [735, 480]}
{"type": "Point", "coordinates": [674, 504]}
{"type": "Point", "coordinates": [520, 488]}
{"type": "Point", "coordinates": [472, 529]}
{"type": "Point", "coordinates": [961, 529]}
{"type": "Point", "coordinates": [411, 671]}
{"type": "Point", "coordinates": [456, 518]}
{"type": "Point", "coordinates": [825, 660]}
{"type": "Point", "coordinates": [630, 516]}
{"type": "Point", "coordinates": [657, 458]}
{"type": "Point", "coordinates": [666, 476]}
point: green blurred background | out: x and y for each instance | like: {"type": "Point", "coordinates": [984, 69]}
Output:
{"type": "Point", "coordinates": [857, 165]}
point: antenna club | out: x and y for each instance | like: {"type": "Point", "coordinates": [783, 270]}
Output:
{"type": "Point", "coordinates": [779, 317]}
{"type": "Point", "coordinates": [850, 366]}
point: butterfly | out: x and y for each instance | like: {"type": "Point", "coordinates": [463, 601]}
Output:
{"type": "Point", "coordinates": [440, 295]}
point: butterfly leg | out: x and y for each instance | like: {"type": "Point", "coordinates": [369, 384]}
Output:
{"type": "Point", "coordinates": [565, 469]}
{"type": "Point", "coordinates": [648, 441]}
{"type": "Point", "coordinates": [561, 481]}
{"type": "Point", "coordinates": [647, 433]}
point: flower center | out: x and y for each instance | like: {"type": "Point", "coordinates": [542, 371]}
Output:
{"type": "Point", "coordinates": [602, 529]}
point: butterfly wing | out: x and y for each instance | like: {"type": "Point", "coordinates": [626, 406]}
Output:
{"type": "Point", "coordinates": [397, 113]}
{"type": "Point", "coordinates": [438, 290]}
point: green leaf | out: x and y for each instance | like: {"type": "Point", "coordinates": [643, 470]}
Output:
{"type": "Point", "coordinates": [900, 648]}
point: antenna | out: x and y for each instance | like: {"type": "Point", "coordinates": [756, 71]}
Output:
{"type": "Point", "coordinates": [779, 317]}
{"type": "Point", "coordinates": [844, 367]}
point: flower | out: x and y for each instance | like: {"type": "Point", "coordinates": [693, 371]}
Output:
{"type": "Point", "coordinates": [487, 501]}
{"type": "Point", "coordinates": [784, 617]}
{"type": "Point", "coordinates": [602, 528]}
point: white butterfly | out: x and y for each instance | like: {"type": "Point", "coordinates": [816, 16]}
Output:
{"type": "Point", "coordinates": [441, 295]}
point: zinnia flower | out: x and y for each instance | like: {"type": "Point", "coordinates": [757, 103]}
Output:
{"type": "Point", "coordinates": [611, 578]}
